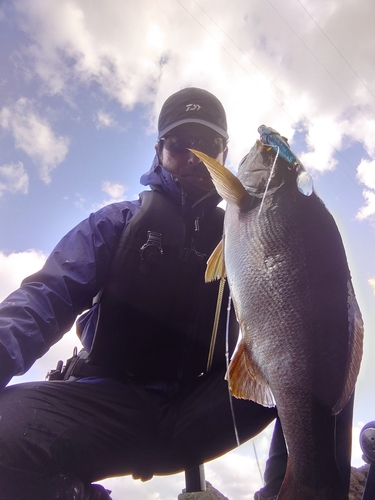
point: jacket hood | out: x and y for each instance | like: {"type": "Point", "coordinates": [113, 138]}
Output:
{"type": "Point", "coordinates": [159, 178]}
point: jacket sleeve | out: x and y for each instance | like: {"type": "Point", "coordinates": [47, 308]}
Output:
{"type": "Point", "coordinates": [37, 315]}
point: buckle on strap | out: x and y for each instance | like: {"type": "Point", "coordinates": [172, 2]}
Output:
{"type": "Point", "coordinates": [78, 366]}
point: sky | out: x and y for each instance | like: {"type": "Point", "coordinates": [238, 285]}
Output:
{"type": "Point", "coordinates": [81, 85]}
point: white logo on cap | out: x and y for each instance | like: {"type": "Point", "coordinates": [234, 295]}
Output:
{"type": "Point", "coordinates": [192, 107]}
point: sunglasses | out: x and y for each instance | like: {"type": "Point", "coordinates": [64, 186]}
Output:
{"type": "Point", "coordinates": [179, 144]}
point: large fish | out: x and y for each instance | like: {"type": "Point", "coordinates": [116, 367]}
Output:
{"type": "Point", "coordinates": [301, 326]}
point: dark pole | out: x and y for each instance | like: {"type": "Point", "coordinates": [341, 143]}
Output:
{"type": "Point", "coordinates": [195, 479]}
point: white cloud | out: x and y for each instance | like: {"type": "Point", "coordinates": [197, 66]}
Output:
{"type": "Point", "coordinates": [92, 43]}
{"type": "Point", "coordinates": [13, 178]}
{"type": "Point", "coordinates": [34, 135]}
{"type": "Point", "coordinates": [372, 284]}
{"type": "Point", "coordinates": [114, 190]}
{"type": "Point", "coordinates": [237, 473]}
{"type": "Point", "coordinates": [368, 210]}
{"type": "Point", "coordinates": [104, 120]}
{"type": "Point", "coordinates": [269, 64]}
{"type": "Point", "coordinates": [80, 201]}
{"type": "Point", "coordinates": [366, 173]}
{"type": "Point", "coordinates": [323, 138]}
{"type": "Point", "coordinates": [14, 267]}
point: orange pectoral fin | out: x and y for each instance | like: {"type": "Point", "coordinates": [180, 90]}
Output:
{"type": "Point", "coordinates": [246, 381]}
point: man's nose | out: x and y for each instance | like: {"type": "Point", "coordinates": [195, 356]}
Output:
{"type": "Point", "coordinates": [193, 159]}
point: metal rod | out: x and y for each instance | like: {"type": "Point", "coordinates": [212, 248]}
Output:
{"type": "Point", "coordinates": [195, 479]}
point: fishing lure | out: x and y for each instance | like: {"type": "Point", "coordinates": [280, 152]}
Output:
{"type": "Point", "coordinates": [272, 138]}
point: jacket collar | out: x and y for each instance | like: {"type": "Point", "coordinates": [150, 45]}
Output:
{"type": "Point", "coordinates": [159, 178]}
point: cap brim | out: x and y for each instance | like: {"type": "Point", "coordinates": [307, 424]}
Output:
{"type": "Point", "coordinates": [210, 125]}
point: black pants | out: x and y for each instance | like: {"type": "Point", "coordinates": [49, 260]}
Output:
{"type": "Point", "coordinates": [50, 430]}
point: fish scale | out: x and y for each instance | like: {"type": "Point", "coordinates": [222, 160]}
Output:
{"type": "Point", "coordinates": [301, 325]}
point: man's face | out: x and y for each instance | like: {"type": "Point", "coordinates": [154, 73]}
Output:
{"type": "Point", "coordinates": [181, 162]}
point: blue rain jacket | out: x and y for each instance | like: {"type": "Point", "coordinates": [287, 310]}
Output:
{"type": "Point", "coordinates": [47, 304]}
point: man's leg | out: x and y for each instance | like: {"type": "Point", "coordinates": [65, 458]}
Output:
{"type": "Point", "coordinates": [58, 437]}
{"type": "Point", "coordinates": [203, 426]}
{"type": "Point", "coordinates": [61, 487]}
{"type": "Point", "coordinates": [77, 432]}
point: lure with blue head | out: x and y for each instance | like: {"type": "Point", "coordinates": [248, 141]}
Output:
{"type": "Point", "coordinates": [272, 138]}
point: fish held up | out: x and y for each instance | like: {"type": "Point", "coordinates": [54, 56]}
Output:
{"type": "Point", "coordinates": [302, 330]}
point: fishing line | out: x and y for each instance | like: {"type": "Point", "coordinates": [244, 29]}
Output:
{"type": "Point", "coordinates": [269, 179]}
{"type": "Point", "coordinates": [216, 324]}
{"type": "Point", "coordinates": [318, 60]}
{"type": "Point", "coordinates": [258, 464]}
{"type": "Point", "coordinates": [334, 46]}
{"type": "Point", "coordinates": [230, 395]}
{"type": "Point", "coordinates": [227, 363]}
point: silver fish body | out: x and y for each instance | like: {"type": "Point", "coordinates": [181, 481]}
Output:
{"type": "Point", "coordinates": [301, 326]}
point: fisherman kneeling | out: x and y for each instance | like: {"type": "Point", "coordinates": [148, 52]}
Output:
{"type": "Point", "coordinates": [147, 395]}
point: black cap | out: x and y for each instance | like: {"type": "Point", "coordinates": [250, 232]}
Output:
{"type": "Point", "coordinates": [193, 105]}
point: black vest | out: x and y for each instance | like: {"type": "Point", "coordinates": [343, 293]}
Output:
{"type": "Point", "coordinates": [156, 312]}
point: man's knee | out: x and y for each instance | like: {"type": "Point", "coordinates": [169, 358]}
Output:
{"type": "Point", "coordinates": [21, 432]}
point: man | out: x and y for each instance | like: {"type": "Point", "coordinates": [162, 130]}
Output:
{"type": "Point", "coordinates": [147, 394]}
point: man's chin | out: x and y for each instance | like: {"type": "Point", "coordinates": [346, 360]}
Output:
{"type": "Point", "coordinates": [197, 181]}
{"type": "Point", "coordinates": [194, 189]}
